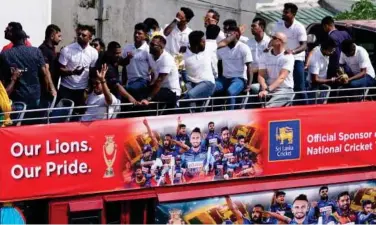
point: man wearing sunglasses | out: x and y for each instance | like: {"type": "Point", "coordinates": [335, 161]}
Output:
{"type": "Point", "coordinates": [276, 74]}
{"type": "Point", "coordinates": [77, 60]}
{"type": "Point", "coordinates": [212, 18]}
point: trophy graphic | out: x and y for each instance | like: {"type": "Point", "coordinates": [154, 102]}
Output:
{"type": "Point", "coordinates": [109, 155]}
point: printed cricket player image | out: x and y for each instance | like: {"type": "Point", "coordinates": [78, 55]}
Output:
{"type": "Point", "coordinates": [198, 153]}
{"type": "Point", "coordinates": [344, 214]}
{"type": "Point", "coordinates": [325, 206]}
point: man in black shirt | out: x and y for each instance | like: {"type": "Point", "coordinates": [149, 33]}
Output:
{"type": "Point", "coordinates": [30, 62]}
{"type": "Point", "coordinates": [52, 39]}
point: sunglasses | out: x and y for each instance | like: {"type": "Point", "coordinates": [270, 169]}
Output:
{"type": "Point", "coordinates": [276, 38]}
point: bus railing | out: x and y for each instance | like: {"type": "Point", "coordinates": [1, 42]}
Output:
{"type": "Point", "coordinates": [245, 101]}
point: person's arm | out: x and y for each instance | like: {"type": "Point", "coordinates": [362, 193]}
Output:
{"type": "Point", "coordinates": [308, 60]}
{"type": "Point", "coordinates": [102, 78]}
{"type": "Point", "coordinates": [177, 127]}
{"type": "Point", "coordinates": [363, 62]}
{"type": "Point", "coordinates": [314, 71]}
{"type": "Point", "coordinates": [167, 31]}
{"type": "Point", "coordinates": [13, 80]}
{"type": "Point", "coordinates": [183, 147]}
{"type": "Point", "coordinates": [262, 73]}
{"type": "Point", "coordinates": [156, 87]}
{"type": "Point", "coordinates": [302, 37]}
{"type": "Point", "coordinates": [46, 73]}
{"type": "Point", "coordinates": [234, 209]}
{"type": "Point", "coordinates": [63, 61]}
{"type": "Point", "coordinates": [278, 217]}
{"type": "Point", "coordinates": [247, 59]}
{"type": "Point", "coordinates": [151, 135]}
{"type": "Point", "coordinates": [124, 93]}
{"type": "Point", "coordinates": [283, 73]}
{"type": "Point", "coordinates": [226, 41]}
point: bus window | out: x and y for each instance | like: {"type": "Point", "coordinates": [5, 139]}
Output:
{"type": "Point", "coordinates": [86, 217]}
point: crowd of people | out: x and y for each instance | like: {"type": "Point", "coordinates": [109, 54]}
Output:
{"type": "Point", "coordinates": [165, 65]}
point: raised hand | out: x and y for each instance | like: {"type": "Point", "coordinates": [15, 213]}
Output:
{"type": "Point", "coordinates": [102, 74]}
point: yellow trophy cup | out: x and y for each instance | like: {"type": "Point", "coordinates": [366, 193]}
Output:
{"type": "Point", "coordinates": [109, 155]}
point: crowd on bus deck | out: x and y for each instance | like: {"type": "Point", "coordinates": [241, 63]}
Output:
{"type": "Point", "coordinates": [212, 62]}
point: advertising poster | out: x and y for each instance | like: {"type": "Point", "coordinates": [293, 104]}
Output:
{"type": "Point", "coordinates": [348, 203]}
{"type": "Point", "coordinates": [112, 155]}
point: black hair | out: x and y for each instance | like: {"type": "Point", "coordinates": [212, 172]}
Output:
{"type": "Point", "coordinates": [278, 193]}
{"type": "Point", "coordinates": [195, 37]}
{"type": "Point", "coordinates": [100, 41]}
{"type": "Point", "coordinates": [240, 137]}
{"type": "Point", "coordinates": [18, 36]}
{"type": "Point", "coordinates": [328, 20]}
{"type": "Point", "coordinates": [293, 8]}
{"type": "Point", "coordinates": [168, 135]}
{"type": "Point", "coordinates": [196, 130]}
{"type": "Point", "coordinates": [347, 46]}
{"type": "Point", "coordinates": [328, 43]}
{"type": "Point", "coordinates": [160, 38]}
{"type": "Point", "coordinates": [223, 129]}
{"type": "Point", "coordinates": [343, 194]}
{"type": "Point", "coordinates": [215, 14]}
{"type": "Point", "coordinates": [212, 31]}
{"type": "Point", "coordinates": [230, 23]}
{"type": "Point", "coordinates": [86, 27]}
{"type": "Point", "coordinates": [141, 26]}
{"type": "Point", "coordinates": [151, 23]}
{"type": "Point", "coordinates": [260, 21]}
{"type": "Point", "coordinates": [113, 45]}
{"type": "Point", "coordinates": [15, 25]}
{"type": "Point", "coordinates": [323, 188]}
{"type": "Point", "coordinates": [51, 29]}
{"type": "Point", "coordinates": [188, 13]}
{"type": "Point", "coordinates": [366, 202]}
{"type": "Point", "coordinates": [233, 28]}
{"type": "Point", "coordinates": [301, 197]}
{"type": "Point", "coordinates": [182, 126]}
{"type": "Point", "coordinates": [259, 206]}
{"type": "Point", "coordinates": [211, 122]}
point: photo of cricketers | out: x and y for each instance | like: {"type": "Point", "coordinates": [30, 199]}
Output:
{"type": "Point", "coordinates": [186, 149]}
{"type": "Point", "coordinates": [349, 203]}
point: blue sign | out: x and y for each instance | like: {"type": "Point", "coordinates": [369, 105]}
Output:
{"type": "Point", "coordinates": [284, 140]}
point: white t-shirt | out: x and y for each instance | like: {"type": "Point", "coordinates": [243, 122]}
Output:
{"type": "Point", "coordinates": [257, 49]}
{"type": "Point", "coordinates": [138, 66]}
{"type": "Point", "coordinates": [358, 61]}
{"type": "Point", "coordinates": [212, 45]}
{"type": "Point", "coordinates": [177, 39]}
{"type": "Point", "coordinates": [234, 60]}
{"type": "Point", "coordinates": [273, 64]}
{"type": "Point", "coordinates": [73, 56]}
{"type": "Point", "coordinates": [199, 66]}
{"type": "Point", "coordinates": [221, 36]}
{"type": "Point", "coordinates": [100, 112]}
{"type": "Point", "coordinates": [318, 65]}
{"type": "Point", "coordinates": [295, 34]}
{"type": "Point", "coordinates": [166, 64]}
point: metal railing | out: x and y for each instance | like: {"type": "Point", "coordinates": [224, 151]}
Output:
{"type": "Point", "coordinates": [245, 101]}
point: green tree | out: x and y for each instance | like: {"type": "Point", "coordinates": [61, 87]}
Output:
{"type": "Point", "coordinates": [361, 10]}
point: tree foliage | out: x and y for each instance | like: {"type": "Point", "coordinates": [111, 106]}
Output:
{"type": "Point", "coordinates": [360, 10]}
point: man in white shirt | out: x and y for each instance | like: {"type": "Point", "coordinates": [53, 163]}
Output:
{"type": "Point", "coordinates": [232, 23]}
{"type": "Point", "coordinates": [135, 64]}
{"type": "Point", "coordinates": [357, 58]}
{"type": "Point", "coordinates": [101, 97]}
{"type": "Point", "coordinates": [236, 59]}
{"type": "Point", "coordinates": [296, 45]}
{"type": "Point", "coordinates": [212, 18]}
{"type": "Point", "coordinates": [197, 58]}
{"type": "Point", "coordinates": [166, 88]}
{"type": "Point", "coordinates": [177, 32]}
{"type": "Point", "coordinates": [257, 44]}
{"type": "Point", "coordinates": [276, 74]}
{"type": "Point", "coordinates": [77, 61]}
{"type": "Point", "coordinates": [318, 66]}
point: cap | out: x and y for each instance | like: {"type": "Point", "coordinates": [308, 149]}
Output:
{"type": "Point", "coordinates": [147, 148]}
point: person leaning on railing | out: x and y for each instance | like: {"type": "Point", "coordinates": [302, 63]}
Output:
{"type": "Point", "coordinates": [276, 68]}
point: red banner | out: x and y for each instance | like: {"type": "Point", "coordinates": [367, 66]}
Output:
{"type": "Point", "coordinates": [77, 158]}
